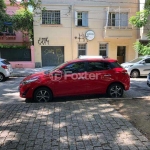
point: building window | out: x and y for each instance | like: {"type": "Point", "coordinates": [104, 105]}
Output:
{"type": "Point", "coordinates": [50, 17]}
{"type": "Point", "coordinates": [103, 49]}
{"type": "Point", "coordinates": [81, 19]}
{"type": "Point", "coordinates": [118, 19]}
{"type": "Point", "coordinates": [81, 49]}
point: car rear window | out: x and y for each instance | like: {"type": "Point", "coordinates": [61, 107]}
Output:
{"type": "Point", "coordinates": [115, 65]}
{"type": "Point", "coordinates": [5, 62]}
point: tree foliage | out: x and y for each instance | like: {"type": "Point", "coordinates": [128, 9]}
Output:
{"type": "Point", "coordinates": [23, 21]}
{"type": "Point", "coordinates": [3, 16]}
{"type": "Point", "coordinates": [141, 19]}
{"type": "Point", "coordinates": [35, 4]}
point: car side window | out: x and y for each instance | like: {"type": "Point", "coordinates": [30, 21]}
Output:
{"type": "Point", "coordinates": [147, 60]}
{"type": "Point", "coordinates": [98, 66]}
{"type": "Point", "coordinates": [77, 67]}
{"type": "Point", "coordinates": [107, 66]}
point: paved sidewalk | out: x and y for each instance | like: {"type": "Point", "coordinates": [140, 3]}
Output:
{"type": "Point", "coordinates": [74, 125]}
{"type": "Point", "coordinates": [22, 72]}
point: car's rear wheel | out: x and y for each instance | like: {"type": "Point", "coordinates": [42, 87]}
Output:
{"type": "Point", "coordinates": [135, 74]}
{"type": "Point", "coordinates": [43, 95]}
{"type": "Point", "coordinates": [2, 77]}
{"type": "Point", "coordinates": [115, 90]}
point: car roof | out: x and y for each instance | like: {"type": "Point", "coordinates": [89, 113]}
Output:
{"type": "Point", "coordinates": [92, 59]}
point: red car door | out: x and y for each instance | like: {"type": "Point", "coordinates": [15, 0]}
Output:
{"type": "Point", "coordinates": [72, 82]}
{"type": "Point", "coordinates": [99, 76]}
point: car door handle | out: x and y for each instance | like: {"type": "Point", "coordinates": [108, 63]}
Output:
{"type": "Point", "coordinates": [107, 75]}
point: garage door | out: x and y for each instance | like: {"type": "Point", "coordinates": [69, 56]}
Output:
{"type": "Point", "coordinates": [52, 55]}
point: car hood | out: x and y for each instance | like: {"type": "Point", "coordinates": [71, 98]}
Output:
{"type": "Point", "coordinates": [35, 75]}
{"type": "Point", "coordinates": [127, 64]}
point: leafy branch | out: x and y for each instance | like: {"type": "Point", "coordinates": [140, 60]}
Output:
{"type": "Point", "coordinates": [141, 19]}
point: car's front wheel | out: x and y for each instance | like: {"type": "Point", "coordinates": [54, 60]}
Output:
{"type": "Point", "coordinates": [42, 94]}
{"type": "Point", "coordinates": [2, 77]}
{"type": "Point", "coordinates": [135, 74]}
{"type": "Point", "coordinates": [115, 90]}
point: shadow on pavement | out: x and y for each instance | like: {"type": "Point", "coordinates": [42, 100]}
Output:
{"type": "Point", "coordinates": [72, 98]}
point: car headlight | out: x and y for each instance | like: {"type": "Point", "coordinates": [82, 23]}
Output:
{"type": "Point", "coordinates": [128, 66]}
{"type": "Point", "coordinates": [30, 80]}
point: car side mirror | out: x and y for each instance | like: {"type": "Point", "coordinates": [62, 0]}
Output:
{"type": "Point", "coordinates": [142, 62]}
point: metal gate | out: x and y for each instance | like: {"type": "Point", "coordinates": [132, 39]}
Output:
{"type": "Point", "coordinates": [52, 55]}
{"type": "Point", "coordinates": [15, 54]}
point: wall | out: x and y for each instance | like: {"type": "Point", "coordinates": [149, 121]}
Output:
{"type": "Point", "coordinates": [64, 34]}
{"type": "Point", "coordinates": [25, 64]}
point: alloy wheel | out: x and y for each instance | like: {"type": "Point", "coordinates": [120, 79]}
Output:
{"type": "Point", "coordinates": [1, 77]}
{"type": "Point", "coordinates": [115, 91]}
{"type": "Point", "coordinates": [42, 95]}
{"type": "Point", "coordinates": [134, 74]}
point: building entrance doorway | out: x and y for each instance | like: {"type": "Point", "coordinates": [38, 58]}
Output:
{"type": "Point", "coordinates": [121, 52]}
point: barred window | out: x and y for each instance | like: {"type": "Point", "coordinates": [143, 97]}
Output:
{"type": "Point", "coordinates": [50, 17]}
{"type": "Point", "coordinates": [81, 49]}
{"type": "Point", "coordinates": [103, 49]}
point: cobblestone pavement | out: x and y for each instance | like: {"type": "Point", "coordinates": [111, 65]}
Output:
{"type": "Point", "coordinates": [75, 125]}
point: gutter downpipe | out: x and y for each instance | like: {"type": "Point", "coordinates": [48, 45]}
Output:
{"type": "Point", "coordinates": [72, 31]}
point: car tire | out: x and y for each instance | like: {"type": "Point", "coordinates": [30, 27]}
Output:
{"type": "Point", "coordinates": [2, 77]}
{"type": "Point", "coordinates": [115, 90]}
{"type": "Point", "coordinates": [43, 94]}
{"type": "Point", "coordinates": [135, 74]}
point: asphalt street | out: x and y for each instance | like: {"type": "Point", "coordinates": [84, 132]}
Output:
{"type": "Point", "coordinates": [9, 90]}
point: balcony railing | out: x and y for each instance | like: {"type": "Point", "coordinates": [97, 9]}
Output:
{"type": "Point", "coordinates": [118, 27]}
{"type": "Point", "coordinates": [124, 32]}
{"type": "Point", "coordinates": [7, 36]}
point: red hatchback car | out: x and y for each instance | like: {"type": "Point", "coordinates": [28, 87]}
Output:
{"type": "Point", "coordinates": [77, 77]}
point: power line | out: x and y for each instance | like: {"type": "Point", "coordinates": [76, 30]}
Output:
{"type": "Point", "coordinates": [90, 1]}
{"type": "Point", "coordinates": [111, 2]}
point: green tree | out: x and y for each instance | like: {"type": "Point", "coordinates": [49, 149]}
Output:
{"type": "Point", "coordinates": [141, 19]}
{"type": "Point", "coordinates": [23, 21]}
{"type": "Point", "coordinates": [3, 16]}
{"type": "Point", "coordinates": [35, 4]}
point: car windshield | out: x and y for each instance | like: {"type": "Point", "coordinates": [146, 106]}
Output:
{"type": "Point", "coordinates": [136, 60]}
{"type": "Point", "coordinates": [55, 68]}
{"type": "Point", "coordinates": [5, 62]}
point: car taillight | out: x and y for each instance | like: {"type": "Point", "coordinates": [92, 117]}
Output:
{"type": "Point", "coordinates": [4, 66]}
{"type": "Point", "coordinates": [125, 72]}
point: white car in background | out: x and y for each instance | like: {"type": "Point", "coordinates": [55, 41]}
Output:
{"type": "Point", "coordinates": [5, 69]}
{"type": "Point", "coordinates": [138, 67]}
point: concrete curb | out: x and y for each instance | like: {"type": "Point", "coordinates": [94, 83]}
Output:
{"type": "Point", "coordinates": [21, 74]}
{"type": "Point", "coordinates": [130, 98]}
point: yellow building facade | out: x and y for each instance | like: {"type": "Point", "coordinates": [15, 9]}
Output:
{"type": "Point", "coordinates": [66, 29]}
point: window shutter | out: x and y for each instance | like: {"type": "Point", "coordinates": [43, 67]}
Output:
{"type": "Point", "coordinates": [117, 19]}
{"type": "Point", "coordinates": [124, 19]}
{"type": "Point", "coordinates": [84, 19]}
{"type": "Point", "coordinates": [76, 18]}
